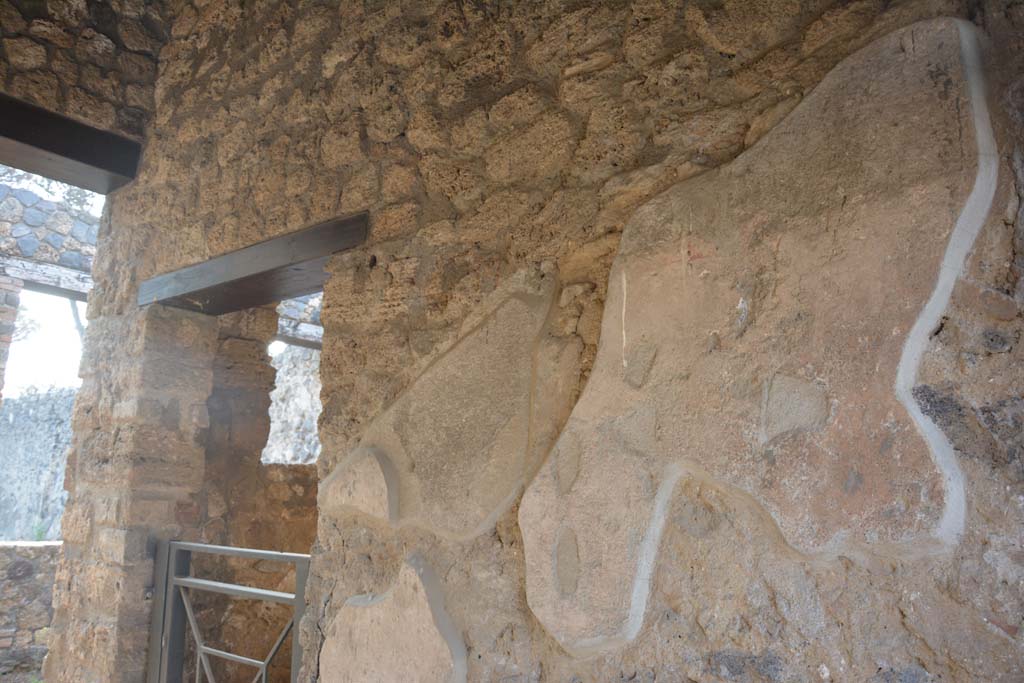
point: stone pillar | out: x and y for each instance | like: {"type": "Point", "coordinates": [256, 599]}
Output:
{"type": "Point", "coordinates": [10, 291]}
{"type": "Point", "coordinates": [134, 475]}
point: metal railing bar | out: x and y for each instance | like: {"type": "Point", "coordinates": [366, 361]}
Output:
{"type": "Point", "coordinates": [279, 642]}
{"type": "Point", "coordinates": [232, 657]}
{"type": "Point", "coordinates": [195, 634]}
{"type": "Point", "coordinates": [301, 576]}
{"type": "Point", "coordinates": [234, 590]}
{"type": "Point", "coordinates": [247, 553]}
{"type": "Point", "coordinates": [173, 609]}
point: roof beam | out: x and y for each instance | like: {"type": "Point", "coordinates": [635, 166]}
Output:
{"type": "Point", "coordinates": [284, 267]}
{"type": "Point", "coordinates": [48, 144]}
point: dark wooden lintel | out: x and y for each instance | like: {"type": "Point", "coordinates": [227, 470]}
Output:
{"type": "Point", "coordinates": [49, 144]}
{"type": "Point", "coordinates": [284, 267]}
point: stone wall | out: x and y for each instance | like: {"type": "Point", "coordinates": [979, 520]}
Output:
{"type": "Point", "coordinates": [135, 476]}
{"type": "Point", "coordinates": [49, 232]}
{"type": "Point", "coordinates": [26, 586]}
{"type": "Point", "coordinates": [95, 62]}
{"type": "Point", "coordinates": [10, 289]}
{"type": "Point", "coordinates": [294, 408]}
{"type": "Point", "coordinates": [502, 150]}
{"type": "Point", "coordinates": [35, 433]}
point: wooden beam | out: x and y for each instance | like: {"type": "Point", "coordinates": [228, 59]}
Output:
{"type": "Point", "coordinates": [48, 144]}
{"type": "Point", "coordinates": [280, 268]}
{"type": "Point", "coordinates": [48, 278]}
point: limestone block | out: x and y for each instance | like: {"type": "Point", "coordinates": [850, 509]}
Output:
{"type": "Point", "coordinates": [456, 448]}
{"type": "Point", "coordinates": [402, 635]}
{"type": "Point", "coordinates": [25, 53]}
{"type": "Point", "coordinates": [792, 404]}
{"type": "Point", "coordinates": [762, 332]}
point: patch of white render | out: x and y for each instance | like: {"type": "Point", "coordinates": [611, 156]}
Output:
{"type": "Point", "coordinates": [624, 362]}
{"type": "Point", "coordinates": [646, 557]}
{"type": "Point", "coordinates": [968, 225]}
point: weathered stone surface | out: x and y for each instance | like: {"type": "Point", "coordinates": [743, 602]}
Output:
{"type": "Point", "coordinates": [294, 408]}
{"type": "Point", "coordinates": [136, 466]}
{"type": "Point", "coordinates": [25, 53]}
{"type": "Point", "coordinates": [41, 229]}
{"type": "Point", "coordinates": [64, 48]}
{"type": "Point", "coordinates": [795, 258]}
{"type": "Point", "coordinates": [458, 446]}
{"type": "Point", "coordinates": [790, 405]}
{"type": "Point", "coordinates": [369, 630]}
{"type": "Point", "coordinates": [35, 431]}
{"type": "Point", "coordinates": [26, 586]}
{"type": "Point", "coordinates": [235, 153]}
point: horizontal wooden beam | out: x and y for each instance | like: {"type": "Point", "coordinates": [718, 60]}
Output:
{"type": "Point", "coordinates": [284, 267]}
{"type": "Point", "coordinates": [48, 144]}
{"type": "Point", "coordinates": [48, 278]}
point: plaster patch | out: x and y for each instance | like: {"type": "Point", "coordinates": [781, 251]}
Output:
{"type": "Point", "coordinates": [410, 618]}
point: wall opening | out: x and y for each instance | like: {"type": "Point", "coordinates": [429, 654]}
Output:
{"type": "Point", "coordinates": [35, 416]}
{"type": "Point", "coordinates": [261, 483]}
{"type": "Point", "coordinates": [48, 234]}
{"type": "Point", "coordinates": [294, 406]}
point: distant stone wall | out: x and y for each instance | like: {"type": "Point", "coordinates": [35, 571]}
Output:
{"type": "Point", "coordinates": [26, 585]}
{"type": "Point", "coordinates": [294, 408]}
{"type": "Point", "coordinates": [44, 231]}
{"type": "Point", "coordinates": [95, 62]}
{"type": "Point", "coordinates": [10, 293]}
{"type": "Point", "coordinates": [35, 432]}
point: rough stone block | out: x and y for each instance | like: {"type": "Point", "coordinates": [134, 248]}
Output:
{"type": "Point", "coordinates": [10, 210]}
{"type": "Point", "coordinates": [25, 53]}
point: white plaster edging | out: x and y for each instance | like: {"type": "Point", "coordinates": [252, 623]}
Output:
{"type": "Point", "coordinates": [968, 225]}
{"type": "Point", "coordinates": [624, 363]}
{"type": "Point", "coordinates": [445, 626]}
{"type": "Point", "coordinates": [646, 559]}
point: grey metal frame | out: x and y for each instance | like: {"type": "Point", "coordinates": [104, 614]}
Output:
{"type": "Point", "coordinates": [172, 610]}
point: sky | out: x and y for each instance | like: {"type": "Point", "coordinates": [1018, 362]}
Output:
{"type": "Point", "coordinates": [49, 355]}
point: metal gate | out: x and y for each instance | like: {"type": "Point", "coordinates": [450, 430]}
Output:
{"type": "Point", "coordinates": [172, 610]}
